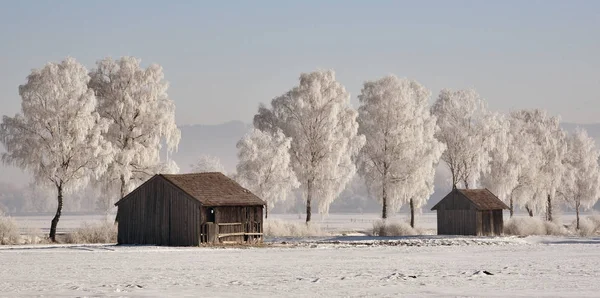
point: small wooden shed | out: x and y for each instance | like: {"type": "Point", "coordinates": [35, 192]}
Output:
{"type": "Point", "coordinates": [470, 212]}
{"type": "Point", "coordinates": [188, 210]}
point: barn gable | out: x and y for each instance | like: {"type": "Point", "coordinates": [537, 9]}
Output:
{"type": "Point", "coordinates": [155, 212]}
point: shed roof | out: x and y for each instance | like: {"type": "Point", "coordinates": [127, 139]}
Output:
{"type": "Point", "coordinates": [214, 189]}
{"type": "Point", "coordinates": [210, 189]}
{"type": "Point", "coordinates": [483, 199]}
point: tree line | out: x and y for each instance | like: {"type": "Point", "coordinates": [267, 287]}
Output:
{"type": "Point", "coordinates": [395, 140]}
{"type": "Point", "coordinates": [103, 126]}
{"type": "Point", "coordinates": [106, 126]}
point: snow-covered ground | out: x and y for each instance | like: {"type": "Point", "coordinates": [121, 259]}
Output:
{"type": "Point", "coordinates": [438, 266]}
{"type": "Point", "coordinates": [327, 266]}
{"type": "Point", "coordinates": [335, 224]}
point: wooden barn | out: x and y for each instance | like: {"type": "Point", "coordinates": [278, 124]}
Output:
{"type": "Point", "coordinates": [470, 212]}
{"type": "Point", "coordinates": [189, 210]}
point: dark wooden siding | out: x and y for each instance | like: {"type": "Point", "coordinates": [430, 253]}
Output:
{"type": "Point", "coordinates": [456, 222]}
{"type": "Point", "coordinates": [455, 201]}
{"type": "Point", "coordinates": [159, 213]}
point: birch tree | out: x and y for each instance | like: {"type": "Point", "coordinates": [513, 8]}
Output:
{"type": "Point", "coordinates": [318, 118]}
{"type": "Point", "coordinates": [543, 169]}
{"type": "Point", "coordinates": [264, 166]}
{"type": "Point", "coordinates": [401, 152]}
{"type": "Point", "coordinates": [58, 136]}
{"type": "Point", "coordinates": [142, 119]}
{"type": "Point", "coordinates": [208, 163]}
{"type": "Point", "coordinates": [467, 129]}
{"type": "Point", "coordinates": [581, 180]}
{"type": "Point", "coordinates": [506, 158]}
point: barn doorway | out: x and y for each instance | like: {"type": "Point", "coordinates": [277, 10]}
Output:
{"type": "Point", "coordinates": [210, 215]}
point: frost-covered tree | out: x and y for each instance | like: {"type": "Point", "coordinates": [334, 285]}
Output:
{"type": "Point", "coordinates": [208, 163]}
{"type": "Point", "coordinates": [142, 117]}
{"type": "Point", "coordinates": [401, 152]}
{"type": "Point", "coordinates": [317, 116]}
{"type": "Point", "coordinates": [264, 166]}
{"type": "Point", "coordinates": [468, 130]}
{"type": "Point", "coordinates": [58, 134]}
{"type": "Point", "coordinates": [542, 171]}
{"type": "Point", "coordinates": [581, 180]}
{"type": "Point", "coordinates": [506, 158]}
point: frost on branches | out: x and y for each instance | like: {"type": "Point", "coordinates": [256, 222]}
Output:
{"type": "Point", "coordinates": [264, 166]}
{"type": "Point", "coordinates": [58, 136]}
{"type": "Point", "coordinates": [581, 180]}
{"type": "Point", "coordinates": [546, 146]}
{"type": "Point", "coordinates": [507, 157]}
{"type": "Point", "coordinates": [208, 163]}
{"type": "Point", "coordinates": [135, 100]}
{"type": "Point", "coordinates": [468, 130]}
{"type": "Point", "coordinates": [401, 152]}
{"type": "Point", "coordinates": [317, 116]}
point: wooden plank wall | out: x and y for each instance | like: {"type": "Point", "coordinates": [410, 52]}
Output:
{"type": "Point", "coordinates": [455, 201]}
{"type": "Point", "coordinates": [498, 222]}
{"type": "Point", "coordinates": [159, 213]}
{"type": "Point", "coordinates": [490, 223]}
{"type": "Point", "coordinates": [456, 222]}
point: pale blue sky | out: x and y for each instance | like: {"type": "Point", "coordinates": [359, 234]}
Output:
{"type": "Point", "coordinates": [224, 57]}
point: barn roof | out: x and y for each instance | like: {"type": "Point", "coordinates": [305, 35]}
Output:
{"type": "Point", "coordinates": [483, 199]}
{"type": "Point", "coordinates": [210, 189]}
{"type": "Point", "coordinates": [214, 189]}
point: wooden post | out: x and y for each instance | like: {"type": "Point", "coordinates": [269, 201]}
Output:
{"type": "Point", "coordinates": [213, 233]}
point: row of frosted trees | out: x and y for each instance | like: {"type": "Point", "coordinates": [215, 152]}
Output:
{"type": "Point", "coordinates": [104, 126]}
{"type": "Point", "coordinates": [311, 139]}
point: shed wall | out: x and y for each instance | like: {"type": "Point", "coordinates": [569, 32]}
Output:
{"type": "Point", "coordinates": [457, 215]}
{"type": "Point", "coordinates": [158, 213]}
{"type": "Point", "coordinates": [456, 222]}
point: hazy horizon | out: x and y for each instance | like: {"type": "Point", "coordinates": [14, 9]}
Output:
{"type": "Point", "coordinates": [223, 59]}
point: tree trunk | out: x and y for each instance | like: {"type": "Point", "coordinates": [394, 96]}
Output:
{"type": "Point", "coordinates": [266, 211]}
{"type": "Point", "coordinates": [123, 190]}
{"type": "Point", "coordinates": [384, 192]}
{"type": "Point", "coordinates": [57, 215]}
{"type": "Point", "coordinates": [529, 211]}
{"type": "Point", "coordinates": [577, 204]}
{"type": "Point", "coordinates": [549, 209]}
{"type": "Point", "coordinates": [466, 184]}
{"type": "Point", "coordinates": [511, 207]}
{"type": "Point", "coordinates": [454, 180]}
{"type": "Point", "coordinates": [308, 199]}
{"type": "Point", "coordinates": [412, 213]}
{"type": "Point", "coordinates": [384, 201]}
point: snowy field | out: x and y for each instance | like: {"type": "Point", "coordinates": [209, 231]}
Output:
{"type": "Point", "coordinates": [334, 224]}
{"type": "Point", "coordinates": [331, 266]}
{"type": "Point", "coordinates": [339, 267]}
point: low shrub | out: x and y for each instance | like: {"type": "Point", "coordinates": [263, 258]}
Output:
{"type": "Point", "coordinates": [9, 232]}
{"type": "Point", "coordinates": [386, 228]}
{"type": "Point", "coordinates": [105, 232]}
{"type": "Point", "coordinates": [527, 226]}
{"type": "Point", "coordinates": [34, 236]}
{"type": "Point", "coordinates": [281, 228]}
{"type": "Point", "coordinates": [588, 226]}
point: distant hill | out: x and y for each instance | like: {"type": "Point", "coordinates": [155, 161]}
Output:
{"type": "Point", "coordinates": [216, 140]}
